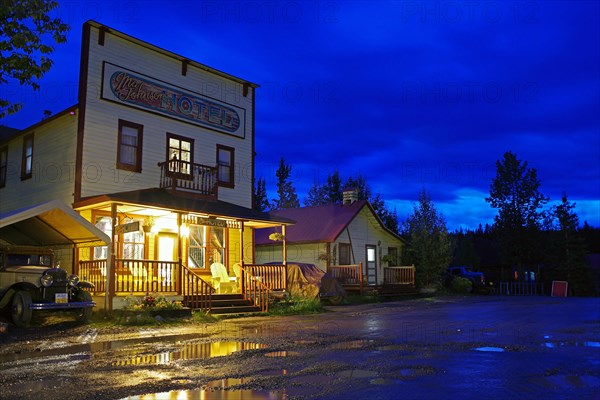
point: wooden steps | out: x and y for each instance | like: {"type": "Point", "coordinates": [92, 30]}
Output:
{"type": "Point", "coordinates": [227, 304]}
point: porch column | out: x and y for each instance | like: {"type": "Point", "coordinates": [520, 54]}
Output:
{"type": "Point", "coordinates": [284, 251]}
{"type": "Point", "coordinates": [179, 255]}
{"type": "Point", "coordinates": [110, 262]}
{"type": "Point", "coordinates": [242, 285]}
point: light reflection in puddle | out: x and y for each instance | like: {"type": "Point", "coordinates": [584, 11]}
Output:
{"type": "Point", "coordinates": [283, 353]}
{"type": "Point", "coordinates": [213, 395]}
{"type": "Point", "coordinates": [192, 351]}
{"type": "Point", "coordinates": [490, 349]}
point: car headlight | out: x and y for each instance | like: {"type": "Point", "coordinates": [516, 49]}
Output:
{"type": "Point", "coordinates": [46, 280]}
{"type": "Point", "coordinates": [73, 280]}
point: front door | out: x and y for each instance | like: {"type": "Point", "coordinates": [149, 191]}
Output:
{"type": "Point", "coordinates": [371, 267]}
{"type": "Point", "coordinates": [166, 250]}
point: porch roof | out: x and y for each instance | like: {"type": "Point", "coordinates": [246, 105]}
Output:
{"type": "Point", "coordinates": [179, 201]}
{"type": "Point", "coordinates": [49, 224]}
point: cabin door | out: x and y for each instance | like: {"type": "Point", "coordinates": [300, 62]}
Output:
{"type": "Point", "coordinates": [371, 265]}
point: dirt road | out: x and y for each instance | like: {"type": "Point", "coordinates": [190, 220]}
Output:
{"type": "Point", "coordinates": [474, 347]}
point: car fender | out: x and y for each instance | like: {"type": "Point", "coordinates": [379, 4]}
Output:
{"type": "Point", "coordinates": [8, 295]}
{"type": "Point", "coordinates": [86, 285]}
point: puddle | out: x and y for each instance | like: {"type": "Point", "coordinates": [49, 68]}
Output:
{"type": "Point", "coordinates": [357, 373]}
{"type": "Point", "coordinates": [353, 344]}
{"type": "Point", "coordinates": [490, 349]}
{"type": "Point", "coordinates": [92, 347]}
{"type": "Point", "coordinates": [556, 344]}
{"type": "Point", "coordinates": [192, 351]}
{"type": "Point", "coordinates": [283, 353]}
{"type": "Point", "coordinates": [213, 394]}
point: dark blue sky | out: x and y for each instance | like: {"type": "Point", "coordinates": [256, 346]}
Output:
{"type": "Point", "coordinates": [410, 94]}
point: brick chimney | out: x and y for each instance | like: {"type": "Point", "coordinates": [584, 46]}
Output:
{"type": "Point", "coordinates": [350, 195]}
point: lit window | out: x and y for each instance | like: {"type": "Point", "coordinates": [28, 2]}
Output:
{"type": "Point", "coordinates": [180, 154]}
{"type": "Point", "coordinates": [105, 225]}
{"type": "Point", "coordinates": [133, 243]}
{"type": "Point", "coordinates": [225, 164]}
{"type": "Point", "coordinates": [129, 151]}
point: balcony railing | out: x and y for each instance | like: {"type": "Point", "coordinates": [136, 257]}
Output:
{"type": "Point", "coordinates": [190, 177]}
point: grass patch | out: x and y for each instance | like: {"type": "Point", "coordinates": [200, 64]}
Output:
{"type": "Point", "coordinates": [297, 306]}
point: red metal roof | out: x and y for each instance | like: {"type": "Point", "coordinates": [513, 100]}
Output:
{"type": "Point", "coordinates": [313, 224]}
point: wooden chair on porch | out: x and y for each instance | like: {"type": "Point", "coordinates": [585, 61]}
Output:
{"type": "Point", "coordinates": [221, 281]}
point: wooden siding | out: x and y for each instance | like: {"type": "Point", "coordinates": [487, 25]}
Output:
{"type": "Point", "coordinates": [53, 170]}
{"type": "Point", "coordinates": [101, 122]}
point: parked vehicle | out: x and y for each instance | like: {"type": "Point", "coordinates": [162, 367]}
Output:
{"type": "Point", "coordinates": [28, 282]}
{"type": "Point", "coordinates": [478, 282]}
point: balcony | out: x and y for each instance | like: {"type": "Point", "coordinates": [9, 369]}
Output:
{"type": "Point", "coordinates": [188, 177]}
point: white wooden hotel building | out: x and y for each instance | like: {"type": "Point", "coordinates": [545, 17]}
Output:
{"type": "Point", "coordinates": [158, 154]}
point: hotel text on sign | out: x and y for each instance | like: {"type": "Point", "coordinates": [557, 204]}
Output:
{"type": "Point", "coordinates": [144, 92]}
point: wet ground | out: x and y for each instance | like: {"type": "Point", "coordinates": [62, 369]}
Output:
{"type": "Point", "coordinates": [476, 347]}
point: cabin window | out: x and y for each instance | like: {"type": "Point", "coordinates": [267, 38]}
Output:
{"type": "Point", "coordinates": [392, 256]}
{"type": "Point", "coordinates": [27, 157]}
{"type": "Point", "coordinates": [129, 150]}
{"type": "Point", "coordinates": [344, 253]}
{"type": "Point", "coordinates": [3, 166]}
{"type": "Point", "coordinates": [180, 154]}
{"type": "Point", "coordinates": [225, 164]}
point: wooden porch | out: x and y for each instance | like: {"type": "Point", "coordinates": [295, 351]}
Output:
{"type": "Point", "coordinates": [254, 288]}
{"type": "Point", "coordinates": [396, 280]}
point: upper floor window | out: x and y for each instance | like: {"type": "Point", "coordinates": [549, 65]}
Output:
{"type": "Point", "coordinates": [27, 157]}
{"type": "Point", "coordinates": [3, 165]}
{"type": "Point", "coordinates": [180, 153]}
{"type": "Point", "coordinates": [225, 165]}
{"type": "Point", "coordinates": [129, 150]}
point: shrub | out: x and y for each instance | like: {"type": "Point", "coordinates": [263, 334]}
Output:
{"type": "Point", "coordinates": [461, 285]}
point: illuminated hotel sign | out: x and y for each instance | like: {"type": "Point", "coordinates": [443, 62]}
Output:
{"type": "Point", "coordinates": [140, 91]}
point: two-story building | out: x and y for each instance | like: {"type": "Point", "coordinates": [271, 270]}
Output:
{"type": "Point", "coordinates": [158, 154]}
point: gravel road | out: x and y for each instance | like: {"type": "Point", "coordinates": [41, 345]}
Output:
{"type": "Point", "coordinates": [450, 347]}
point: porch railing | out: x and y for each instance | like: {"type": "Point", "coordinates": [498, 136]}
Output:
{"type": "Point", "coordinates": [183, 175]}
{"type": "Point", "coordinates": [404, 275]}
{"type": "Point", "coordinates": [272, 276]}
{"type": "Point", "coordinates": [95, 272]}
{"type": "Point", "coordinates": [254, 288]}
{"type": "Point", "coordinates": [348, 274]}
{"type": "Point", "coordinates": [197, 293]}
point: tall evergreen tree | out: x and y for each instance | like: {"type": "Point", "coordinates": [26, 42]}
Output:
{"type": "Point", "coordinates": [430, 247]}
{"type": "Point", "coordinates": [570, 250]}
{"type": "Point", "coordinates": [285, 189]}
{"type": "Point", "coordinates": [261, 201]}
{"type": "Point", "coordinates": [514, 191]}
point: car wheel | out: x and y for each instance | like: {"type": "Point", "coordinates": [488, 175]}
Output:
{"type": "Point", "coordinates": [83, 314]}
{"type": "Point", "coordinates": [20, 311]}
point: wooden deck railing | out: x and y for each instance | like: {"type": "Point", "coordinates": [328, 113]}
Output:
{"type": "Point", "coordinates": [197, 293]}
{"type": "Point", "coordinates": [404, 275]}
{"type": "Point", "coordinates": [347, 274]}
{"type": "Point", "coordinates": [254, 288]}
{"type": "Point", "coordinates": [95, 272]}
{"type": "Point", "coordinates": [188, 176]}
{"type": "Point", "coordinates": [272, 276]}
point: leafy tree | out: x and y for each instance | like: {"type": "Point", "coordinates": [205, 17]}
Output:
{"type": "Point", "coordinates": [430, 247]}
{"type": "Point", "coordinates": [285, 189]}
{"type": "Point", "coordinates": [514, 191]}
{"type": "Point", "coordinates": [24, 51]}
{"type": "Point", "coordinates": [260, 201]}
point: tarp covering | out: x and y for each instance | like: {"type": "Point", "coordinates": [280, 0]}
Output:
{"type": "Point", "coordinates": [309, 281]}
{"type": "Point", "coordinates": [49, 224]}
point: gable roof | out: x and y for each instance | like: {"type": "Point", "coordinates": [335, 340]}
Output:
{"type": "Point", "coordinates": [317, 224]}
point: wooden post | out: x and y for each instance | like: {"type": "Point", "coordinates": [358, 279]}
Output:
{"type": "Point", "coordinates": [110, 267]}
{"type": "Point", "coordinates": [284, 251]}
{"type": "Point", "coordinates": [242, 275]}
{"type": "Point", "coordinates": [179, 256]}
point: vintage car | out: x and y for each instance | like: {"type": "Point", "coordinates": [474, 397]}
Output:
{"type": "Point", "coordinates": [28, 282]}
